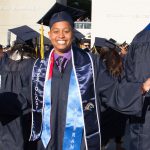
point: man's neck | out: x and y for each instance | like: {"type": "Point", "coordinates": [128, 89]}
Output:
{"type": "Point", "coordinates": [59, 52]}
{"type": "Point", "coordinates": [67, 55]}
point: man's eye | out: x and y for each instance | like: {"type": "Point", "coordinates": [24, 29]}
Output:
{"type": "Point", "coordinates": [55, 31]}
{"type": "Point", "coordinates": [67, 31]}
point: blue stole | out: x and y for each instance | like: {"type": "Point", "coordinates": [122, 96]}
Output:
{"type": "Point", "coordinates": [82, 113]}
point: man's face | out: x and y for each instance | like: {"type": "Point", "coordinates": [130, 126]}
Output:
{"type": "Point", "coordinates": [61, 36]}
{"type": "Point", "coordinates": [86, 45]}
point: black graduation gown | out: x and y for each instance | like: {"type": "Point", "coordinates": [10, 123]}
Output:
{"type": "Point", "coordinates": [113, 124]}
{"type": "Point", "coordinates": [137, 60]}
{"type": "Point", "coordinates": [140, 127]}
{"type": "Point", "coordinates": [107, 90]}
{"type": "Point", "coordinates": [15, 116]}
{"type": "Point", "coordinates": [137, 67]}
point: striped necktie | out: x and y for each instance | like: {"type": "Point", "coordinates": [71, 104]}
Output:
{"type": "Point", "coordinates": [61, 63]}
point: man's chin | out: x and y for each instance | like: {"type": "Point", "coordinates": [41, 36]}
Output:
{"type": "Point", "coordinates": [63, 49]}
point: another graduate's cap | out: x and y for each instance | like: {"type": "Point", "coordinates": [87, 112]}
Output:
{"type": "Point", "coordinates": [102, 42]}
{"type": "Point", "coordinates": [60, 12]}
{"type": "Point", "coordinates": [24, 34]}
{"type": "Point", "coordinates": [78, 35]}
{"type": "Point", "coordinates": [112, 40]}
{"type": "Point", "coordinates": [84, 40]}
{"type": "Point", "coordinates": [147, 27]}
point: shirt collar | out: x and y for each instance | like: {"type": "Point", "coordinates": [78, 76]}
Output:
{"type": "Point", "coordinates": [66, 55]}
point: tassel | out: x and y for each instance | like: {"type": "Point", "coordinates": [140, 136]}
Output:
{"type": "Point", "coordinates": [42, 42]}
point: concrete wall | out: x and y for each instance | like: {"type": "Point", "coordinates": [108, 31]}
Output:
{"type": "Point", "coordinates": [119, 19]}
{"type": "Point", "coordinates": [14, 13]}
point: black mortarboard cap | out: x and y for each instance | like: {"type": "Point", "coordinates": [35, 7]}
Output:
{"type": "Point", "coordinates": [102, 42]}
{"type": "Point", "coordinates": [84, 40]}
{"type": "Point", "coordinates": [60, 12]}
{"type": "Point", "coordinates": [24, 34]}
{"type": "Point", "coordinates": [112, 40]}
{"type": "Point", "coordinates": [78, 35]}
{"type": "Point", "coordinates": [147, 27]}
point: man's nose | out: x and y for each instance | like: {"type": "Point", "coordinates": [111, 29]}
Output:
{"type": "Point", "coordinates": [61, 34]}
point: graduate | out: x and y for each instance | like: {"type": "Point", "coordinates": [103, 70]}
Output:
{"type": "Point", "coordinates": [67, 86]}
{"type": "Point", "coordinates": [137, 67]}
{"type": "Point", "coordinates": [15, 109]}
{"type": "Point", "coordinates": [113, 123]}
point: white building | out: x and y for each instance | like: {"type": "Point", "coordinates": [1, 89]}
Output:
{"type": "Point", "coordinates": [15, 13]}
{"type": "Point", "coordinates": [119, 19]}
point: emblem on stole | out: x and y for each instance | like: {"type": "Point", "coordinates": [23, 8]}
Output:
{"type": "Point", "coordinates": [89, 106]}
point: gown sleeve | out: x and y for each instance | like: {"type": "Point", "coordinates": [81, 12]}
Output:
{"type": "Point", "coordinates": [15, 87]}
{"type": "Point", "coordinates": [121, 95]}
{"type": "Point", "coordinates": [138, 58]}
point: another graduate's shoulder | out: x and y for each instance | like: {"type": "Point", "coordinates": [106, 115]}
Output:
{"type": "Point", "coordinates": [79, 53]}
{"type": "Point", "coordinates": [98, 62]}
{"type": "Point", "coordinates": [77, 49]}
{"type": "Point", "coordinates": [29, 62]}
{"type": "Point", "coordinates": [3, 58]}
{"type": "Point", "coordinates": [46, 54]}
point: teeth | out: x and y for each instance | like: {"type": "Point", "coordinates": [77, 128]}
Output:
{"type": "Point", "coordinates": [61, 42]}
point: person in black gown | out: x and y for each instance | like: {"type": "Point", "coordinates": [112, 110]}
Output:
{"type": "Point", "coordinates": [137, 68]}
{"type": "Point", "coordinates": [66, 95]}
{"type": "Point", "coordinates": [15, 110]}
{"type": "Point", "coordinates": [113, 123]}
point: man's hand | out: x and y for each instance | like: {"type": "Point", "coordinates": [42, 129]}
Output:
{"type": "Point", "coordinates": [146, 86]}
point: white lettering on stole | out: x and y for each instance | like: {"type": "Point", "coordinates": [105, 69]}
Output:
{"type": "Point", "coordinates": [73, 132]}
{"type": "Point", "coordinates": [36, 87]}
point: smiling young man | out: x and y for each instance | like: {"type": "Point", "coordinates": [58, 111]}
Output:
{"type": "Point", "coordinates": [66, 89]}
{"type": "Point", "coordinates": [61, 36]}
